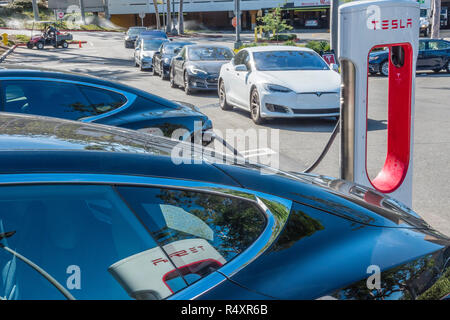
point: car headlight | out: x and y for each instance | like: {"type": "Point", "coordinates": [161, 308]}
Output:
{"type": "Point", "coordinates": [276, 88]}
{"type": "Point", "coordinates": [373, 58]}
{"type": "Point", "coordinates": [196, 70]}
{"type": "Point", "coordinates": [424, 26]}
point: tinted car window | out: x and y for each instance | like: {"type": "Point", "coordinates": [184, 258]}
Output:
{"type": "Point", "coordinates": [288, 60]}
{"type": "Point", "coordinates": [433, 45]}
{"type": "Point", "coordinates": [438, 45]}
{"type": "Point", "coordinates": [57, 99]}
{"type": "Point", "coordinates": [85, 237]}
{"type": "Point", "coordinates": [239, 58]}
{"type": "Point", "coordinates": [101, 100]}
{"type": "Point", "coordinates": [152, 45]}
{"type": "Point", "coordinates": [422, 45]}
{"type": "Point", "coordinates": [200, 232]}
{"type": "Point", "coordinates": [209, 54]}
{"type": "Point", "coordinates": [171, 48]}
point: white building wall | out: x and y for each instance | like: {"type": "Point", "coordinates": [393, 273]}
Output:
{"type": "Point", "coordinates": [137, 6]}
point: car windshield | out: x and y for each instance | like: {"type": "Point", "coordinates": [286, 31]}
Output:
{"type": "Point", "coordinates": [171, 47]}
{"type": "Point", "coordinates": [288, 60]}
{"type": "Point", "coordinates": [210, 53]}
{"type": "Point", "coordinates": [155, 34]}
{"type": "Point", "coordinates": [152, 45]}
{"type": "Point", "coordinates": [135, 32]}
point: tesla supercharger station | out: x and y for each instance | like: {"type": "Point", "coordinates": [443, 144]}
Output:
{"type": "Point", "coordinates": [363, 26]}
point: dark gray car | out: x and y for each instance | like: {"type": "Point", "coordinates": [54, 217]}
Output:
{"type": "Point", "coordinates": [197, 67]}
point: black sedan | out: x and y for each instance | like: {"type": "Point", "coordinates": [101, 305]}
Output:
{"type": "Point", "coordinates": [88, 99]}
{"type": "Point", "coordinates": [163, 58]}
{"type": "Point", "coordinates": [434, 54]}
{"type": "Point", "coordinates": [197, 67]}
{"type": "Point", "coordinates": [108, 213]}
{"type": "Point", "coordinates": [131, 36]}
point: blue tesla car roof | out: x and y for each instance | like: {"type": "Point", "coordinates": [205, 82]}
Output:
{"type": "Point", "coordinates": [35, 144]}
{"type": "Point", "coordinates": [16, 71]}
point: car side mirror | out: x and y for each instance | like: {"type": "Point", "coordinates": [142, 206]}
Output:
{"type": "Point", "coordinates": [240, 68]}
{"type": "Point", "coordinates": [334, 67]}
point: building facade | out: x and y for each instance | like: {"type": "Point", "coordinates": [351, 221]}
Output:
{"type": "Point", "coordinates": [217, 14]}
{"type": "Point", "coordinates": [89, 5]}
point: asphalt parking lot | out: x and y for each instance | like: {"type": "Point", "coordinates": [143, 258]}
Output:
{"type": "Point", "coordinates": [300, 140]}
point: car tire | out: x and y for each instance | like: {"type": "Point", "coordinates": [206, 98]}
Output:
{"type": "Point", "coordinates": [223, 97]}
{"type": "Point", "coordinates": [161, 72]}
{"type": "Point", "coordinates": [436, 70]}
{"type": "Point", "coordinates": [154, 73]}
{"type": "Point", "coordinates": [384, 68]}
{"type": "Point", "coordinates": [447, 67]}
{"type": "Point", "coordinates": [172, 79]}
{"type": "Point", "coordinates": [255, 107]}
{"type": "Point", "coordinates": [187, 88]}
{"type": "Point", "coordinates": [64, 44]}
{"type": "Point", "coordinates": [30, 45]}
{"type": "Point", "coordinates": [40, 45]}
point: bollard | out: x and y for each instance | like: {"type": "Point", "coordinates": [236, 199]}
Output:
{"type": "Point", "coordinates": [5, 39]}
{"type": "Point", "coordinates": [79, 44]}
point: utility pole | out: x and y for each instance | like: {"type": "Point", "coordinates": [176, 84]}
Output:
{"type": "Point", "coordinates": [435, 18]}
{"type": "Point", "coordinates": [35, 10]}
{"type": "Point", "coordinates": [83, 17]}
{"type": "Point", "coordinates": [334, 10]}
{"type": "Point", "coordinates": [169, 18]}
{"type": "Point", "coordinates": [180, 18]}
{"type": "Point", "coordinates": [237, 14]}
{"type": "Point", "coordinates": [105, 4]}
{"type": "Point", "coordinates": [174, 29]}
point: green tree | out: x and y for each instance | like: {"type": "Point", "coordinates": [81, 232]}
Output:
{"type": "Point", "coordinates": [273, 21]}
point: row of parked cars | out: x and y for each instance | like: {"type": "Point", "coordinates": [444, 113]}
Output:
{"type": "Point", "coordinates": [434, 54]}
{"type": "Point", "coordinates": [92, 210]}
{"type": "Point", "coordinates": [269, 82]}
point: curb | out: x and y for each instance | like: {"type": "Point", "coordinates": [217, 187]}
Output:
{"type": "Point", "coordinates": [65, 30]}
{"type": "Point", "coordinates": [3, 57]}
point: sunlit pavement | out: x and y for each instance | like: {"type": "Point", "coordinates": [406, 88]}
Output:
{"type": "Point", "coordinates": [300, 141]}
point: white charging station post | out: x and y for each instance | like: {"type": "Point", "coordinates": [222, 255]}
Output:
{"type": "Point", "coordinates": [363, 26]}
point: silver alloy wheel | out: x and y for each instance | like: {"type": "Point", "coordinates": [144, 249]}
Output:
{"type": "Point", "coordinates": [385, 68]}
{"type": "Point", "coordinates": [161, 71]}
{"type": "Point", "coordinates": [186, 84]}
{"type": "Point", "coordinates": [223, 97]}
{"type": "Point", "coordinates": [255, 107]}
{"type": "Point", "coordinates": [172, 79]}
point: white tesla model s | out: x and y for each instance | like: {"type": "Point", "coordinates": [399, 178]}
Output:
{"type": "Point", "coordinates": [280, 82]}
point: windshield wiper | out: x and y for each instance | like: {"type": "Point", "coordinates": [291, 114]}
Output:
{"type": "Point", "coordinates": [41, 271]}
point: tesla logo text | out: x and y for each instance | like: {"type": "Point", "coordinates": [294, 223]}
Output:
{"type": "Point", "coordinates": [376, 22]}
{"type": "Point", "coordinates": [392, 24]}
{"type": "Point", "coordinates": [179, 253]}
